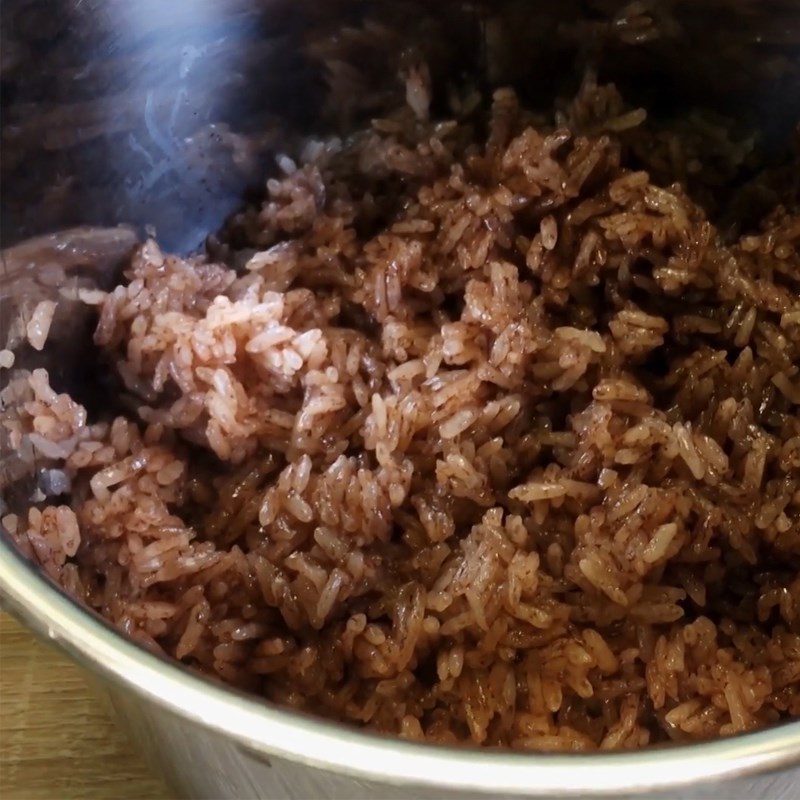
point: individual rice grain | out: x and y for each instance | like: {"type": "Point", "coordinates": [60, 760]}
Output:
{"type": "Point", "coordinates": [38, 326]}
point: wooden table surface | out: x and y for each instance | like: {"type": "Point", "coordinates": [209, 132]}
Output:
{"type": "Point", "coordinates": [56, 740]}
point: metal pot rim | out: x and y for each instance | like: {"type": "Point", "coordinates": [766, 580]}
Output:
{"type": "Point", "coordinates": [265, 730]}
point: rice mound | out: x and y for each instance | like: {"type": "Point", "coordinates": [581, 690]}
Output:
{"type": "Point", "coordinates": [487, 437]}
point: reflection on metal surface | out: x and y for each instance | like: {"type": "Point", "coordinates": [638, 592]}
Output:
{"type": "Point", "coordinates": [119, 111]}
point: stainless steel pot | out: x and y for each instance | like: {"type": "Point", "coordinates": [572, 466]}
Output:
{"type": "Point", "coordinates": [131, 111]}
